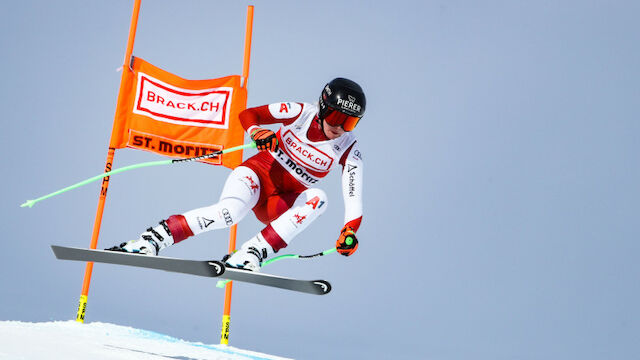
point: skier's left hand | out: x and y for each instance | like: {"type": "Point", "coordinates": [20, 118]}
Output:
{"type": "Point", "coordinates": [347, 243]}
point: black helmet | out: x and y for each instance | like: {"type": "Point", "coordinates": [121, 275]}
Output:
{"type": "Point", "coordinates": [344, 96]}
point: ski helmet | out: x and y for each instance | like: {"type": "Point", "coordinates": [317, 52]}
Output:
{"type": "Point", "coordinates": [342, 103]}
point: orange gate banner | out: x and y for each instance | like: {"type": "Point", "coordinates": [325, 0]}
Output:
{"type": "Point", "coordinates": [165, 114]}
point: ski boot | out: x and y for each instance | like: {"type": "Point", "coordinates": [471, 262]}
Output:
{"type": "Point", "coordinates": [149, 243]}
{"type": "Point", "coordinates": [250, 255]}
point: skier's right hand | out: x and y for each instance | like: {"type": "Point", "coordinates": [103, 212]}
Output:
{"type": "Point", "coordinates": [265, 139]}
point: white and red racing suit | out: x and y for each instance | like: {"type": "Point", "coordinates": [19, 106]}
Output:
{"type": "Point", "coordinates": [279, 186]}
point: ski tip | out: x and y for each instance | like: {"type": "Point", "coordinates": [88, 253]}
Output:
{"type": "Point", "coordinates": [323, 286]}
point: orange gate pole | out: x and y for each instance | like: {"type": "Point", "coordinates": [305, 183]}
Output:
{"type": "Point", "coordinates": [226, 317]}
{"type": "Point", "coordinates": [82, 306]}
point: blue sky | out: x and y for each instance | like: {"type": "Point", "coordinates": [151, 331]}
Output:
{"type": "Point", "coordinates": [500, 147]}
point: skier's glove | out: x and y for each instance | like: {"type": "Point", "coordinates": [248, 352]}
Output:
{"type": "Point", "coordinates": [265, 139]}
{"type": "Point", "coordinates": [347, 242]}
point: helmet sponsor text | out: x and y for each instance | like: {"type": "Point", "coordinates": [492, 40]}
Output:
{"type": "Point", "coordinates": [349, 104]}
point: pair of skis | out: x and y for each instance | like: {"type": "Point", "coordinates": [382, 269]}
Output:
{"type": "Point", "coordinates": [208, 268]}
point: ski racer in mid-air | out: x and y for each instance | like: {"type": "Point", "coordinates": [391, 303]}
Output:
{"type": "Point", "coordinates": [279, 183]}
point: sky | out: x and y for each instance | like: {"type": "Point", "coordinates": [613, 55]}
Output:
{"type": "Point", "coordinates": [500, 145]}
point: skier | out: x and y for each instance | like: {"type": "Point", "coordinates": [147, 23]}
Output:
{"type": "Point", "coordinates": [278, 183]}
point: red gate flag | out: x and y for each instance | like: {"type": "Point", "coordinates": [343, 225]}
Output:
{"type": "Point", "coordinates": [165, 114]}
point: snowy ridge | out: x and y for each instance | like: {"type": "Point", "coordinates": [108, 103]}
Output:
{"type": "Point", "coordinates": [72, 340]}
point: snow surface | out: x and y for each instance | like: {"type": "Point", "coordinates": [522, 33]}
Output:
{"type": "Point", "coordinates": [97, 341]}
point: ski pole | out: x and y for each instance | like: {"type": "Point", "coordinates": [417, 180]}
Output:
{"type": "Point", "coordinates": [222, 283]}
{"type": "Point", "coordinates": [30, 203]}
{"type": "Point", "coordinates": [294, 256]}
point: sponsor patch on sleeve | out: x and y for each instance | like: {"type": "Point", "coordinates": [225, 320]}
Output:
{"type": "Point", "coordinates": [285, 110]}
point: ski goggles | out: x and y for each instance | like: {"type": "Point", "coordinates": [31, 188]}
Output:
{"type": "Point", "coordinates": [334, 117]}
